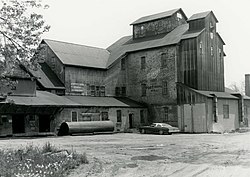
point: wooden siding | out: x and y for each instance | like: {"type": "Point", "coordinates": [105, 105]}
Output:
{"type": "Point", "coordinates": [85, 76]}
{"type": "Point", "coordinates": [201, 62]}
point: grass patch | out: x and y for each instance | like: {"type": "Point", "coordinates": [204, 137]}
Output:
{"type": "Point", "coordinates": [45, 161]}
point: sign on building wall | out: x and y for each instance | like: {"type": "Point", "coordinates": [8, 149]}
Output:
{"type": "Point", "coordinates": [79, 88]}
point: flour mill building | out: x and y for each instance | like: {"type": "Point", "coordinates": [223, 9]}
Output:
{"type": "Point", "coordinates": [171, 69]}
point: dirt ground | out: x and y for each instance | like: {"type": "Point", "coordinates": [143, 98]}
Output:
{"type": "Point", "coordinates": [138, 155]}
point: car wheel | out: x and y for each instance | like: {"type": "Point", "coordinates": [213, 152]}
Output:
{"type": "Point", "coordinates": [143, 131]}
{"type": "Point", "coordinates": [161, 132]}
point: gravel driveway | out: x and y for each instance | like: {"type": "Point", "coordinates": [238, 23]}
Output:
{"type": "Point", "coordinates": [134, 155]}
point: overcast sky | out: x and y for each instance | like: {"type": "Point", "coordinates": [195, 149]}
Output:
{"type": "Point", "coordinates": [100, 23]}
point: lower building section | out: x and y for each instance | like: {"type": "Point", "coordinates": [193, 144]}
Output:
{"type": "Point", "coordinates": [26, 124]}
{"type": "Point", "coordinates": [122, 118]}
{"type": "Point", "coordinates": [205, 111]}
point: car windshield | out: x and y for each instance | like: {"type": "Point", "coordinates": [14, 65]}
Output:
{"type": "Point", "coordinates": [166, 125]}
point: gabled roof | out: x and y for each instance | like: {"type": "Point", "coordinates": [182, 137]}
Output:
{"type": "Point", "coordinates": [46, 77]}
{"type": "Point", "coordinates": [158, 16]}
{"type": "Point", "coordinates": [202, 15]}
{"type": "Point", "coordinates": [123, 46]}
{"type": "Point", "coordinates": [104, 101]}
{"type": "Point", "coordinates": [79, 55]}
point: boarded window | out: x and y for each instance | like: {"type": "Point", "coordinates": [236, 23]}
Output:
{"type": "Point", "coordinates": [163, 60]}
{"type": "Point", "coordinates": [123, 64]}
{"type": "Point", "coordinates": [226, 111]}
{"type": "Point", "coordinates": [74, 116]}
{"type": "Point", "coordinates": [143, 63]}
{"type": "Point", "coordinates": [164, 88]}
{"type": "Point", "coordinates": [142, 117]}
{"type": "Point", "coordinates": [124, 91]}
{"type": "Point", "coordinates": [119, 115]}
{"type": "Point", "coordinates": [143, 90]}
{"type": "Point", "coordinates": [117, 91]}
{"type": "Point", "coordinates": [105, 116]}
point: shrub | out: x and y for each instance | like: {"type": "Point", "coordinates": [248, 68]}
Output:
{"type": "Point", "coordinates": [34, 161]}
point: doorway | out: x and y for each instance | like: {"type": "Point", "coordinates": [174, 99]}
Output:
{"type": "Point", "coordinates": [18, 123]}
{"type": "Point", "coordinates": [131, 120]}
{"type": "Point", "coordinates": [44, 123]}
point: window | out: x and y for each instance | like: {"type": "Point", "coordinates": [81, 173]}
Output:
{"type": "Point", "coordinates": [102, 90]}
{"type": "Point", "coordinates": [211, 35]}
{"type": "Point", "coordinates": [163, 60]}
{"type": "Point", "coordinates": [164, 88]}
{"type": "Point", "coordinates": [212, 51]}
{"type": "Point", "coordinates": [226, 111]}
{"type": "Point", "coordinates": [123, 91]}
{"type": "Point", "coordinates": [123, 64]}
{"type": "Point", "coordinates": [179, 16]}
{"type": "Point", "coordinates": [119, 115]}
{"type": "Point", "coordinates": [142, 119]}
{"type": "Point", "coordinates": [92, 90]}
{"type": "Point", "coordinates": [143, 90]}
{"type": "Point", "coordinates": [201, 47]}
{"type": "Point", "coordinates": [97, 90]}
{"type": "Point", "coordinates": [143, 63]}
{"type": "Point", "coordinates": [117, 91]}
{"type": "Point", "coordinates": [105, 116]}
{"type": "Point", "coordinates": [142, 30]}
{"type": "Point", "coordinates": [74, 116]}
{"type": "Point", "coordinates": [166, 110]}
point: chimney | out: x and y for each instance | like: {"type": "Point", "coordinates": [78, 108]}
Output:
{"type": "Point", "coordinates": [247, 84]}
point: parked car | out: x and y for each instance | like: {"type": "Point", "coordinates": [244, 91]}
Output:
{"type": "Point", "coordinates": [161, 128]}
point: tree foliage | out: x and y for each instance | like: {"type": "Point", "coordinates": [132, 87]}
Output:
{"type": "Point", "coordinates": [21, 28]}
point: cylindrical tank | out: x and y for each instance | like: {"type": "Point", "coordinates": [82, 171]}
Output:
{"type": "Point", "coordinates": [68, 128]}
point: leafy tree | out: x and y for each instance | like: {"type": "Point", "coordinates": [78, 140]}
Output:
{"type": "Point", "coordinates": [21, 28]}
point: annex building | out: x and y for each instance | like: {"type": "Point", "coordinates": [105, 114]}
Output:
{"type": "Point", "coordinates": [171, 69]}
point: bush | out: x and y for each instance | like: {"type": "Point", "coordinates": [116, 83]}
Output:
{"type": "Point", "coordinates": [31, 161]}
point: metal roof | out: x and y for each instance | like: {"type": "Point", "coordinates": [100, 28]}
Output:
{"type": "Point", "coordinates": [104, 101]}
{"type": "Point", "coordinates": [202, 15]}
{"type": "Point", "coordinates": [79, 55]}
{"type": "Point", "coordinates": [189, 35]}
{"type": "Point", "coordinates": [122, 46]}
{"type": "Point", "coordinates": [157, 16]}
{"type": "Point", "coordinates": [42, 98]}
{"type": "Point", "coordinates": [217, 94]}
{"type": "Point", "coordinates": [46, 77]}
